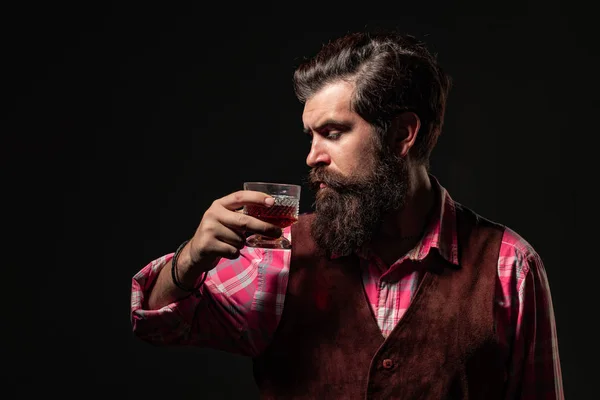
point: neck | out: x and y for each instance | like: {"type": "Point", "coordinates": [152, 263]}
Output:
{"type": "Point", "coordinates": [401, 230]}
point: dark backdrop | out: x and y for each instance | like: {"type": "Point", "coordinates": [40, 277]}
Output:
{"type": "Point", "coordinates": [129, 119]}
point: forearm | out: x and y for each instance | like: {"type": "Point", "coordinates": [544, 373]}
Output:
{"type": "Point", "coordinates": [237, 311]}
{"type": "Point", "coordinates": [165, 291]}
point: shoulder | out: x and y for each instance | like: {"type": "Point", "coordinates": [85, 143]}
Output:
{"type": "Point", "coordinates": [517, 259]}
{"type": "Point", "coordinates": [512, 243]}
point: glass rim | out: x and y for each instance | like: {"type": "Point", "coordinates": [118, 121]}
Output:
{"type": "Point", "coordinates": [272, 184]}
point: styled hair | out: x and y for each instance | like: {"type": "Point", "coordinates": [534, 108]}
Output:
{"type": "Point", "coordinates": [392, 73]}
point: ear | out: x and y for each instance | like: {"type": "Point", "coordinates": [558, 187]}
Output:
{"type": "Point", "coordinates": [403, 132]}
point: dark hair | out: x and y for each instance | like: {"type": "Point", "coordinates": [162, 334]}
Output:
{"type": "Point", "coordinates": [392, 73]}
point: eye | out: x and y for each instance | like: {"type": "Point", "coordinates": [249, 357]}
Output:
{"type": "Point", "coordinates": [333, 135]}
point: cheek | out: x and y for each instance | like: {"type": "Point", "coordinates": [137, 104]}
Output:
{"type": "Point", "coordinates": [365, 162]}
{"type": "Point", "coordinates": [348, 164]}
{"type": "Point", "coordinates": [357, 159]}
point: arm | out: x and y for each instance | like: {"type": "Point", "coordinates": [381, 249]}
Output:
{"type": "Point", "coordinates": [224, 314]}
{"type": "Point", "coordinates": [535, 371]}
{"type": "Point", "coordinates": [238, 308]}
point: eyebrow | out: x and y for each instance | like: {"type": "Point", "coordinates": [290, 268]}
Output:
{"type": "Point", "coordinates": [328, 122]}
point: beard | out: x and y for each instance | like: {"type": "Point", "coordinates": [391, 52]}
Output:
{"type": "Point", "coordinates": [351, 209]}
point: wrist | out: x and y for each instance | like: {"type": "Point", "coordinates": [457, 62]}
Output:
{"type": "Point", "coordinates": [184, 272]}
{"type": "Point", "coordinates": [188, 264]}
{"type": "Point", "coordinates": [185, 264]}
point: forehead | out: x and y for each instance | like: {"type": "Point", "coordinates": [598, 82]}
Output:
{"type": "Point", "coordinates": [332, 101]}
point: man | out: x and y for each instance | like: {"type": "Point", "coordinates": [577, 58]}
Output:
{"type": "Point", "coordinates": [391, 290]}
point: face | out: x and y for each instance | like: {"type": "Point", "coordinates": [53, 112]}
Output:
{"type": "Point", "coordinates": [341, 139]}
{"type": "Point", "coordinates": [358, 181]}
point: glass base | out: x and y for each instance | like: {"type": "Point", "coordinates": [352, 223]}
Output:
{"type": "Point", "coordinates": [266, 242]}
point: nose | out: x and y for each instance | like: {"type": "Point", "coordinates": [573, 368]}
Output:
{"type": "Point", "coordinates": [318, 154]}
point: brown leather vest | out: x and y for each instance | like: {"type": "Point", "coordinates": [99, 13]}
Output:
{"type": "Point", "coordinates": [328, 344]}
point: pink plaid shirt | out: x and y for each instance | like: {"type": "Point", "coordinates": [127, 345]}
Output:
{"type": "Point", "coordinates": [242, 301]}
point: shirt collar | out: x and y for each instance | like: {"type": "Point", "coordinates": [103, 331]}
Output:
{"type": "Point", "coordinates": [441, 233]}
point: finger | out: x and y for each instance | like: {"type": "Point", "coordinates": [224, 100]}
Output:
{"type": "Point", "coordinates": [241, 222]}
{"type": "Point", "coordinates": [231, 237]}
{"type": "Point", "coordinates": [240, 232]}
{"type": "Point", "coordinates": [245, 197]}
{"type": "Point", "coordinates": [225, 250]}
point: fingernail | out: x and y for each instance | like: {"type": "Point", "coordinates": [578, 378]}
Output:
{"type": "Point", "coordinates": [269, 201]}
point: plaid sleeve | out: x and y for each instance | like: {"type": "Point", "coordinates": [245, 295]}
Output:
{"type": "Point", "coordinates": [237, 309]}
{"type": "Point", "coordinates": [542, 377]}
{"type": "Point", "coordinates": [535, 371]}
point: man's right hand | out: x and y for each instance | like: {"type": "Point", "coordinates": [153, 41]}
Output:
{"type": "Point", "coordinates": [222, 233]}
{"type": "Point", "coordinates": [223, 230]}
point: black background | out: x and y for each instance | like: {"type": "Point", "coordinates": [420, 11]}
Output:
{"type": "Point", "coordinates": [128, 119]}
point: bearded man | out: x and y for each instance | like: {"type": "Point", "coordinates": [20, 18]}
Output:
{"type": "Point", "coordinates": [391, 290]}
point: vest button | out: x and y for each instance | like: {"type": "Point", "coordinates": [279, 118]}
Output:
{"type": "Point", "coordinates": [387, 363]}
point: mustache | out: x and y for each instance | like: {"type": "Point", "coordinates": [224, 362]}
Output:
{"type": "Point", "coordinates": [333, 180]}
